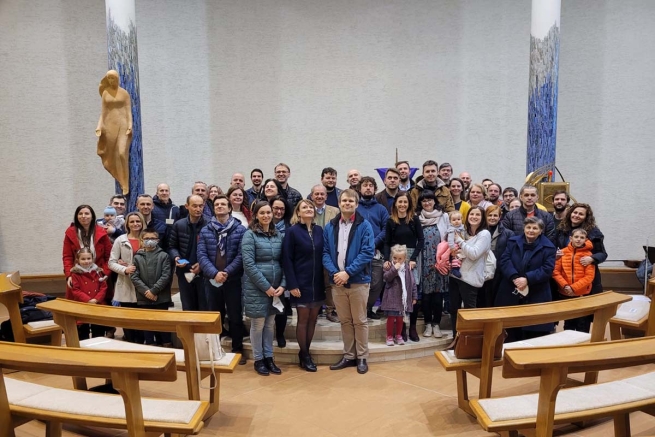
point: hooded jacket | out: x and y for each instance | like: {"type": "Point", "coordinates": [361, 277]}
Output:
{"type": "Point", "coordinates": [569, 271]}
{"type": "Point", "coordinates": [88, 285]}
{"type": "Point", "coordinates": [377, 216]}
{"type": "Point", "coordinates": [101, 244]}
{"type": "Point", "coordinates": [153, 272]}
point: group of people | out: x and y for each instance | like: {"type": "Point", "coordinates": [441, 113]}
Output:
{"type": "Point", "coordinates": [406, 249]}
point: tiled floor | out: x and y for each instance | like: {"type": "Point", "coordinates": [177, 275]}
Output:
{"type": "Point", "coordinates": [414, 398]}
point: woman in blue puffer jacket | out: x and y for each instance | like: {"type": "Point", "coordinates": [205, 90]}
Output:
{"type": "Point", "coordinates": [263, 279]}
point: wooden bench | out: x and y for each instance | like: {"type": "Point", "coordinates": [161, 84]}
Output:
{"type": "Point", "coordinates": [22, 401]}
{"type": "Point", "coordinates": [184, 323]}
{"type": "Point", "coordinates": [492, 321]}
{"type": "Point", "coordinates": [552, 406]}
{"type": "Point", "coordinates": [11, 296]}
{"type": "Point", "coordinates": [636, 315]}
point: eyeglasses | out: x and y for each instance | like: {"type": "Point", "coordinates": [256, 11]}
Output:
{"type": "Point", "coordinates": [278, 208]}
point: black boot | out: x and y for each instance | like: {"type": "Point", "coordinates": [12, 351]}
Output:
{"type": "Point", "coordinates": [309, 364]}
{"type": "Point", "coordinates": [403, 333]}
{"type": "Point", "coordinates": [301, 360]}
{"type": "Point", "coordinates": [280, 326]}
{"type": "Point", "coordinates": [270, 365]}
{"type": "Point", "coordinates": [413, 335]}
{"type": "Point", "coordinates": [261, 368]}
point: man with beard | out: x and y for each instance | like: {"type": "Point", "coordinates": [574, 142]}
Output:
{"type": "Point", "coordinates": [377, 216]}
{"type": "Point", "coordinates": [406, 183]}
{"type": "Point", "coordinates": [432, 182]}
{"type": "Point", "coordinates": [282, 174]}
{"type": "Point", "coordinates": [561, 201]}
{"type": "Point", "coordinates": [329, 181]}
{"type": "Point", "coordinates": [256, 177]}
{"type": "Point", "coordinates": [353, 178]}
{"type": "Point", "coordinates": [493, 192]}
{"type": "Point", "coordinates": [386, 196]}
{"type": "Point", "coordinates": [466, 178]}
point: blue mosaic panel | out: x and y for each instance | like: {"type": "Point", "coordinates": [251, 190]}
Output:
{"type": "Point", "coordinates": [542, 104]}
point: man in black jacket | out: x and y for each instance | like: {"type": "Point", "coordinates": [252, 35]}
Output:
{"type": "Point", "coordinates": [513, 220]}
{"type": "Point", "coordinates": [183, 244]}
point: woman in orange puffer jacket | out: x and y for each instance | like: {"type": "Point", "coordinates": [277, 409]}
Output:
{"type": "Point", "coordinates": [574, 279]}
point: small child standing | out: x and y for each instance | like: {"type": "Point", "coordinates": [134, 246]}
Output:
{"type": "Point", "coordinates": [400, 293]}
{"type": "Point", "coordinates": [89, 286]}
{"type": "Point", "coordinates": [574, 279]}
{"type": "Point", "coordinates": [151, 278]}
{"type": "Point", "coordinates": [455, 228]}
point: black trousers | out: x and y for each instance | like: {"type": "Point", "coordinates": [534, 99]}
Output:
{"type": "Point", "coordinates": [227, 300]}
{"type": "Point", "coordinates": [461, 293]}
{"type": "Point", "coordinates": [85, 329]}
{"type": "Point", "coordinates": [149, 336]}
{"type": "Point", "coordinates": [432, 307]}
{"type": "Point", "coordinates": [132, 335]}
{"type": "Point", "coordinates": [192, 294]}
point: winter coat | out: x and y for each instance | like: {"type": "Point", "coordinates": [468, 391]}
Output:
{"type": "Point", "coordinates": [383, 199]}
{"type": "Point", "coordinates": [441, 191]}
{"type": "Point", "coordinates": [475, 250]}
{"type": "Point", "coordinates": [537, 267]}
{"type": "Point", "coordinates": [360, 252]}
{"type": "Point", "coordinates": [162, 231]}
{"type": "Point", "coordinates": [122, 250]}
{"type": "Point", "coordinates": [569, 271]}
{"type": "Point", "coordinates": [87, 285]}
{"type": "Point", "coordinates": [208, 246]}
{"type": "Point", "coordinates": [377, 216]}
{"type": "Point", "coordinates": [598, 252]}
{"type": "Point", "coordinates": [513, 221]}
{"type": "Point", "coordinates": [392, 300]}
{"type": "Point", "coordinates": [101, 244]}
{"type": "Point", "coordinates": [302, 257]}
{"type": "Point", "coordinates": [153, 272]}
{"type": "Point", "coordinates": [499, 240]}
{"type": "Point", "coordinates": [178, 239]}
{"type": "Point", "coordinates": [262, 269]}
{"type": "Point", "coordinates": [164, 211]}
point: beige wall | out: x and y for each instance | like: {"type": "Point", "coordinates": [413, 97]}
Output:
{"type": "Point", "coordinates": [231, 85]}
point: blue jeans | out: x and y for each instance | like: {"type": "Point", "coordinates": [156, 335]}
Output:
{"type": "Point", "coordinates": [261, 336]}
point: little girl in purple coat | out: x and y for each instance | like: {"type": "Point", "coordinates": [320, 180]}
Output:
{"type": "Point", "coordinates": [400, 293]}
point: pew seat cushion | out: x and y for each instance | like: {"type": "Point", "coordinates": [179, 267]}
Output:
{"type": "Point", "coordinates": [573, 400]}
{"type": "Point", "coordinates": [39, 397]}
{"type": "Point", "coordinates": [113, 345]}
{"type": "Point", "coordinates": [561, 338]}
{"type": "Point", "coordinates": [633, 311]}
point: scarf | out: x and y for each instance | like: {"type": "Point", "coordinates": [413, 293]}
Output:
{"type": "Point", "coordinates": [401, 275]}
{"type": "Point", "coordinates": [430, 218]}
{"type": "Point", "coordinates": [222, 230]}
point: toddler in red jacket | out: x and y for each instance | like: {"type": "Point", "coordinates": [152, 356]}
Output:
{"type": "Point", "coordinates": [88, 285]}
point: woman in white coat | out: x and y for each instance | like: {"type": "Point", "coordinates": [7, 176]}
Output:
{"type": "Point", "coordinates": [120, 261]}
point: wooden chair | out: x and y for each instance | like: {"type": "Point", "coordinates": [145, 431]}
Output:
{"type": "Point", "coordinates": [492, 321]}
{"type": "Point", "coordinates": [637, 315]}
{"type": "Point", "coordinates": [184, 323]}
{"type": "Point", "coordinates": [22, 401]}
{"type": "Point", "coordinates": [11, 296]}
{"type": "Point", "coordinates": [553, 406]}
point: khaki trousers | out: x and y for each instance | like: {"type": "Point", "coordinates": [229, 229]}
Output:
{"type": "Point", "coordinates": [351, 308]}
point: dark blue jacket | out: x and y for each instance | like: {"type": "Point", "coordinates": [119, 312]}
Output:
{"type": "Point", "coordinates": [598, 252]}
{"type": "Point", "coordinates": [513, 221]}
{"type": "Point", "coordinates": [537, 267]}
{"type": "Point", "coordinates": [163, 211]}
{"type": "Point", "coordinates": [360, 252]}
{"type": "Point", "coordinates": [208, 244]}
{"type": "Point", "coordinates": [178, 238]}
{"type": "Point", "coordinates": [377, 215]}
{"type": "Point", "coordinates": [161, 229]}
{"type": "Point", "coordinates": [302, 261]}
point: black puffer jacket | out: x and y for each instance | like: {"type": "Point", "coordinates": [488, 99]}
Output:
{"type": "Point", "coordinates": [513, 221]}
{"type": "Point", "coordinates": [178, 241]}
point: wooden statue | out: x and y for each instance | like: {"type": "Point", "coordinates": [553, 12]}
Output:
{"type": "Point", "coordinates": [114, 129]}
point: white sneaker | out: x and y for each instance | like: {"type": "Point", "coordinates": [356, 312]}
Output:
{"type": "Point", "coordinates": [436, 331]}
{"type": "Point", "coordinates": [428, 331]}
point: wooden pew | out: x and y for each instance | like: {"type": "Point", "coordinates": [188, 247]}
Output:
{"type": "Point", "coordinates": [11, 295]}
{"type": "Point", "coordinates": [638, 315]}
{"type": "Point", "coordinates": [22, 401]}
{"type": "Point", "coordinates": [552, 406]}
{"type": "Point", "coordinates": [492, 321]}
{"type": "Point", "coordinates": [184, 323]}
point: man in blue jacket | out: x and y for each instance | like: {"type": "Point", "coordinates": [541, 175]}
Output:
{"type": "Point", "coordinates": [349, 246]}
{"type": "Point", "coordinates": [377, 216]}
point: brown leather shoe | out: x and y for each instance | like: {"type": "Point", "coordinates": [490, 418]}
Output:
{"type": "Point", "coordinates": [343, 363]}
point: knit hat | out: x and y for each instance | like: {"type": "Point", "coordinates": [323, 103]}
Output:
{"type": "Point", "coordinates": [110, 210]}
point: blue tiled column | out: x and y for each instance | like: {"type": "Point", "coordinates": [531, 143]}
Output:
{"type": "Point", "coordinates": [123, 57]}
{"type": "Point", "coordinates": [544, 62]}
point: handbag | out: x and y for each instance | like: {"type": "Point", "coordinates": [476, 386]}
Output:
{"type": "Point", "coordinates": [208, 348]}
{"type": "Point", "coordinates": [468, 345]}
{"type": "Point", "coordinates": [489, 266]}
